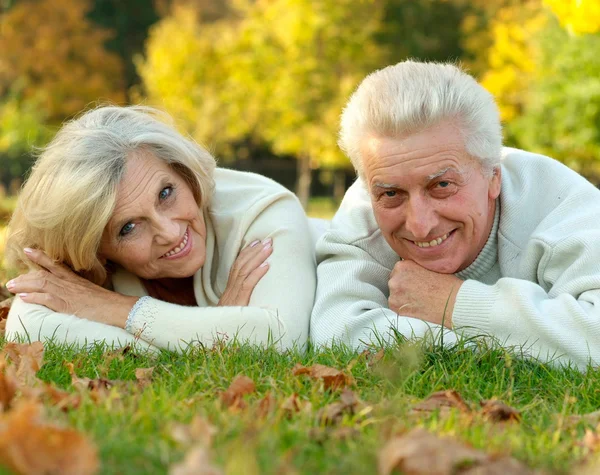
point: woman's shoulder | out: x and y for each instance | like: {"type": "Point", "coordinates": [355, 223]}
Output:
{"type": "Point", "coordinates": [237, 191]}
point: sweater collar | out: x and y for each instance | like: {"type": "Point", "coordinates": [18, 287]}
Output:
{"type": "Point", "coordinates": [488, 255]}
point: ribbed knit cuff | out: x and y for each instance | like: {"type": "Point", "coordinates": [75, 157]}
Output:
{"type": "Point", "coordinates": [473, 307]}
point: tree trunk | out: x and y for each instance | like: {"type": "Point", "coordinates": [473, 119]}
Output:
{"type": "Point", "coordinates": [339, 185]}
{"type": "Point", "coordinates": [303, 179]}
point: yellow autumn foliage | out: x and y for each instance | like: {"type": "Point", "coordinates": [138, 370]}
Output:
{"type": "Point", "coordinates": [577, 16]}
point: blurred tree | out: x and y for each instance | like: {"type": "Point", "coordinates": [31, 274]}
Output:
{"type": "Point", "coordinates": [577, 16]}
{"type": "Point", "coordinates": [51, 54]}
{"type": "Point", "coordinates": [279, 72]}
{"type": "Point", "coordinates": [52, 65]}
{"type": "Point", "coordinates": [427, 29]}
{"type": "Point", "coordinates": [561, 115]}
{"type": "Point", "coordinates": [130, 21]}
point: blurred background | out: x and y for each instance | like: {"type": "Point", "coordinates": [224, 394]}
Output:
{"type": "Point", "coordinates": [261, 83]}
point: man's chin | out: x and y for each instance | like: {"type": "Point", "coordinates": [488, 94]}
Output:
{"type": "Point", "coordinates": [439, 267]}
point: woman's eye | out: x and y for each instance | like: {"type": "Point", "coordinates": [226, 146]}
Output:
{"type": "Point", "coordinates": [165, 193]}
{"type": "Point", "coordinates": [125, 230]}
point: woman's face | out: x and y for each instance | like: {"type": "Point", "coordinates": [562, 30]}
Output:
{"type": "Point", "coordinates": [157, 229]}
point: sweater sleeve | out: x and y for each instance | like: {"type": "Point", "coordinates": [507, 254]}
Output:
{"type": "Point", "coordinates": [351, 304]}
{"type": "Point", "coordinates": [280, 306]}
{"type": "Point", "coordinates": [556, 318]}
{"type": "Point", "coordinates": [31, 322]}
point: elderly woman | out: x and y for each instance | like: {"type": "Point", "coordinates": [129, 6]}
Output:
{"type": "Point", "coordinates": [131, 233]}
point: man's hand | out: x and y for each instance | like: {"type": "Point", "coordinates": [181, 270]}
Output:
{"type": "Point", "coordinates": [62, 290]}
{"type": "Point", "coordinates": [420, 293]}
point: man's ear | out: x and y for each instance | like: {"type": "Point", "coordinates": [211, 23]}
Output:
{"type": "Point", "coordinates": [495, 183]}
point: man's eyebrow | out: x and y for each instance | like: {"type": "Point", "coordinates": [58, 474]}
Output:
{"type": "Point", "coordinates": [443, 171]}
{"type": "Point", "coordinates": [383, 185]}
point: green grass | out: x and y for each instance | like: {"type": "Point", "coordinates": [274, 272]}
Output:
{"type": "Point", "coordinates": [132, 429]}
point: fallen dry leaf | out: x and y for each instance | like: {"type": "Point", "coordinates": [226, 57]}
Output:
{"type": "Point", "coordinates": [332, 378]}
{"type": "Point", "coordinates": [5, 307]}
{"type": "Point", "coordinates": [496, 411]}
{"type": "Point", "coordinates": [8, 384]}
{"type": "Point", "coordinates": [63, 400]}
{"type": "Point", "coordinates": [266, 405]}
{"type": "Point", "coordinates": [199, 430]}
{"type": "Point", "coordinates": [294, 404]}
{"type": "Point", "coordinates": [28, 360]}
{"type": "Point", "coordinates": [444, 401]}
{"type": "Point", "coordinates": [591, 440]}
{"type": "Point", "coordinates": [421, 452]}
{"type": "Point", "coordinates": [196, 462]}
{"type": "Point", "coordinates": [144, 376]}
{"type": "Point", "coordinates": [233, 396]}
{"type": "Point", "coordinates": [98, 388]}
{"type": "Point", "coordinates": [30, 446]}
{"type": "Point", "coordinates": [334, 412]}
{"type": "Point", "coordinates": [592, 418]}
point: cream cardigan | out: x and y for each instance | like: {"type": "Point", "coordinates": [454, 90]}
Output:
{"type": "Point", "coordinates": [245, 207]}
{"type": "Point", "coordinates": [535, 285]}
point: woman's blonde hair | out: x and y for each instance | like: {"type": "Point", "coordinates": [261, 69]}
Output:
{"type": "Point", "coordinates": [70, 195]}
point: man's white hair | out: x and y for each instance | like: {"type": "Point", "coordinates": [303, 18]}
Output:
{"type": "Point", "coordinates": [412, 96]}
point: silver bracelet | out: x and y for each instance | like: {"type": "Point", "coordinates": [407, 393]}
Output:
{"type": "Point", "coordinates": [133, 311]}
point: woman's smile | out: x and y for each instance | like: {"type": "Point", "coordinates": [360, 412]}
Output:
{"type": "Point", "coordinates": [182, 249]}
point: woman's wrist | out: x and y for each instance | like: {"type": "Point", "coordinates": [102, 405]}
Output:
{"type": "Point", "coordinates": [120, 309]}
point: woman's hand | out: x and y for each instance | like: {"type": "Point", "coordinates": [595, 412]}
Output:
{"type": "Point", "coordinates": [60, 289]}
{"type": "Point", "coordinates": [249, 267]}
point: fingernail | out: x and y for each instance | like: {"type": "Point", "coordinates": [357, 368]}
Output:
{"type": "Point", "coordinates": [255, 243]}
{"type": "Point", "coordinates": [264, 264]}
{"type": "Point", "coordinates": [267, 241]}
{"type": "Point", "coordinates": [10, 284]}
{"type": "Point", "coordinates": [23, 295]}
{"type": "Point", "coordinates": [27, 250]}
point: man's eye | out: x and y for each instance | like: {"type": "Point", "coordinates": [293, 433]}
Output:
{"type": "Point", "coordinates": [444, 184]}
{"type": "Point", "coordinates": [390, 194]}
{"type": "Point", "coordinates": [125, 230]}
{"type": "Point", "coordinates": [165, 193]}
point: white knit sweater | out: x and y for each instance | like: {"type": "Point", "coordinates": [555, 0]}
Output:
{"type": "Point", "coordinates": [535, 285]}
{"type": "Point", "coordinates": [245, 207]}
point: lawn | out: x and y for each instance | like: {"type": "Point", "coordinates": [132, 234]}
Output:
{"type": "Point", "coordinates": [283, 421]}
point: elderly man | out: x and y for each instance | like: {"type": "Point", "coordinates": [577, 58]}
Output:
{"type": "Point", "coordinates": [447, 230]}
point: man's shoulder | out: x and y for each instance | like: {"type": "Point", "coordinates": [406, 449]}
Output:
{"type": "Point", "coordinates": [354, 219]}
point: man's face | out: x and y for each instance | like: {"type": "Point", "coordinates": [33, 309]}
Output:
{"type": "Point", "coordinates": [431, 199]}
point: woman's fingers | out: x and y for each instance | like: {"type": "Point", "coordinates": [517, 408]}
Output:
{"type": "Point", "coordinates": [253, 279]}
{"type": "Point", "coordinates": [41, 259]}
{"type": "Point", "coordinates": [251, 257]}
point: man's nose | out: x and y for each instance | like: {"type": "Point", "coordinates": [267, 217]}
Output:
{"type": "Point", "coordinates": [420, 218]}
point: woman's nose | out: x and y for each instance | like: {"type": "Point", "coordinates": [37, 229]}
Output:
{"type": "Point", "coordinates": [166, 231]}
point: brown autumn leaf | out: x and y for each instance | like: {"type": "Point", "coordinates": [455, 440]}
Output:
{"type": "Point", "coordinates": [144, 376]}
{"type": "Point", "coordinates": [8, 384]}
{"type": "Point", "coordinates": [198, 431]}
{"type": "Point", "coordinates": [98, 388]}
{"type": "Point", "coordinates": [266, 405]}
{"type": "Point", "coordinates": [592, 418]}
{"type": "Point", "coordinates": [496, 411]}
{"type": "Point", "coordinates": [28, 445]}
{"type": "Point", "coordinates": [294, 404]}
{"type": "Point", "coordinates": [196, 462]}
{"type": "Point", "coordinates": [5, 307]}
{"type": "Point", "coordinates": [233, 396]}
{"type": "Point", "coordinates": [444, 401]}
{"type": "Point", "coordinates": [333, 413]}
{"type": "Point", "coordinates": [421, 452]}
{"type": "Point", "coordinates": [28, 360]}
{"type": "Point", "coordinates": [63, 400]}
{"type": "Point", "coordinates": [591, 440]}
{"type": "Point", "coordinates": [332, 378]}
